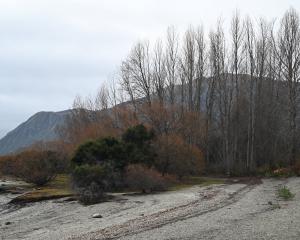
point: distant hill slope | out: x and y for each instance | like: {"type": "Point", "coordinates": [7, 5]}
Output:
{"type": "Point", "coordinates": [42, 126]}
{"type": "Point", "coordinates": [39, 127]}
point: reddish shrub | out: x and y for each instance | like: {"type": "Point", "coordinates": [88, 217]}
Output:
{"type": "Point", "coordinates": [141, 178]}
{"type": "Point", "coordinates": [8, 165]}
{"type": "Point", "coordinates": [174, 156]}
{"type": "Point", "coordinates": [37, 167]}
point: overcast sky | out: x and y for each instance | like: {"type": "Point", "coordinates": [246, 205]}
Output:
{"type": "Point", "coordinates": [52, 50]}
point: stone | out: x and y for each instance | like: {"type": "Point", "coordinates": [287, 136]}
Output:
{"type": "Point", "coordinates": [96, 215]}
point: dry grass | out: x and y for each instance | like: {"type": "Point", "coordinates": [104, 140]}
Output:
{"type": "Point", "coordinates": [196, 181]}
{"type": "Point", "coordinates": [58, 188]}
{"type": "Point", "coordinates": [61, 187]}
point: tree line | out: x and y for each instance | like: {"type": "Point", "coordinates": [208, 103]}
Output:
{"type": "Point", "coordinates": [234, 95]}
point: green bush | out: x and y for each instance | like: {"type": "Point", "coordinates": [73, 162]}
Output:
{"type": "Point", "coordinates": [285, 193]}
{"type": "Point", "coordinates": [99, 165]}
{"type": "Point", "coordinates": [96, 167]}
{"type": "Point", "coordinates": [85, 175]}
{"type": "Point", "coordinates": [91, 194]}
{"type": "Point", "coordinates": [91, 182]}
{"type": "Point", "coordinates": [138, 145]}
{"type": "Point", "coordinates": [106, 150]}
{"type": "Point", "coordinates": [138, 135]}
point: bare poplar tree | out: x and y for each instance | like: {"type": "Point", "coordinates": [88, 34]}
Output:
{"type": "Point", "coordinates": [237, 38]}
{"type": "Point", "coordinates": [224, 90]}
{"type": "Point", "coordinates": [288, 54]}
{"type": "Point", "coordinates": [201, 65]}
{"type": "Point", "coordinates": [171, 63]}
{"type": "Point", "coordinates": [188, 63]}
{"type": "Point", "coordinates": [159, 72]}
{"type": "Point", "coordinates": [251, 68]}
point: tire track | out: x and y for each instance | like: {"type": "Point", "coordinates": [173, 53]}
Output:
{"type": "Point", "coordinates": [168, 216]}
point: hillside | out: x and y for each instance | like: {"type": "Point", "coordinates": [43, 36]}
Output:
{"type": "Point", "coordinates": [40, 127]}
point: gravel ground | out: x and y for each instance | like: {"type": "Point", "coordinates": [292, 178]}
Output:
{"type": "Point", "coordinates": [250, 217]}
{"type": "Point", "coordinates": [229, 211]}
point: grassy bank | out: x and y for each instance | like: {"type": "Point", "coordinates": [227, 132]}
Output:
{"type": "Point", "coordinates": [196, 181]}
{"type": "Point", "coordinates": [61, 187]}
{"type": "Point", "coordinates": [58, 188]}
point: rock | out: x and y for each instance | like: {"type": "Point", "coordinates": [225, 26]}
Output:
{"type": "Point", "coordinates": [8, 223]}
{"type": "Point", "coordinates": [96, 215]}
{"type": "Point", "coordinates": [270, 203]}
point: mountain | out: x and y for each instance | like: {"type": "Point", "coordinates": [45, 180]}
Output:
{"type": "Point", "coordinates": [40, 127]}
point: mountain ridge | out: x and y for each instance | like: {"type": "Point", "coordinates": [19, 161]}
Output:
{"type": "Point", "coordinates": [39, 127]}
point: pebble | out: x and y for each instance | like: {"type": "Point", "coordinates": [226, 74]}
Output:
{"type": "Point", "coordinates": [96, 215]}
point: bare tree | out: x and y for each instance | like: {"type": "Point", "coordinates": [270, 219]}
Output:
{"type": "Point", "coordinates": [251, 68]}
{"type": "Point", "coordinates": [126, 82]}
{"type": "Point", "coordinates": [159, 72]}
{"type": "Point", "coordinates": [137, 77]}
{"type": "Point", "coordinates": [288, 54]}
{"type": "Point", "coordinates": [171, 63]}
{"type": "Point", "coordinates": [201, 65]}
{"type": "Point", "coordinates": [224, 90]}
{"type": "Point", "coordinates": [237, 36]}
{"type": "Point", "coordinates": [102, 98]}
{"type": "Point", "coordinates": [188, 63]}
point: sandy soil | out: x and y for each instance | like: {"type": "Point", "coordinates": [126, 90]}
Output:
{"type": "Point", "coordinates": [229, 211]}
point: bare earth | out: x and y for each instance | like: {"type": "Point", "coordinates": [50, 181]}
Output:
{"type": "Point", "coordinates": [229, 211]}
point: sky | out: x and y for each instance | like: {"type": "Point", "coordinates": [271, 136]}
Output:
{"type": "Point", "coordinates": [53, 50]}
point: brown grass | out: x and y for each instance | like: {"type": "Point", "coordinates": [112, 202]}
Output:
{"type": "Point", "coordinates": [58, 188]}
{"type": "Point", "coordinates": [196, 181]}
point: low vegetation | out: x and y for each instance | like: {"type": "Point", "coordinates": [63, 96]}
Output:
{"type": "Point", "coordinates": [133, 162]}
{"type": "Point", "coordinates": [195, 181]}
{"type": "Point", "coordinates": [285, 193]}
{"type": "Point", "coordinates": [141, 178]}
{"type": "Point", "coordinates": [175, 156]}
{"type": "Point", "coordinates": [59, 187]}
{"type": "Point", "coordinates": [33, 166]}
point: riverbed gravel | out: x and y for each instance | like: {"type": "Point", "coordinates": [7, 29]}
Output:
{"type": "Point", "coordinates": [227, 211]}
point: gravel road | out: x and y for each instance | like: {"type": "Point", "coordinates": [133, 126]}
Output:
{"type": "Point", "coordinates": [228, 211]}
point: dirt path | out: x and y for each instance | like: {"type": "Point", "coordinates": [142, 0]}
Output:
{"type": "Point", "coordinates": [215, 212]}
